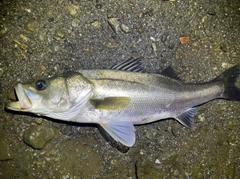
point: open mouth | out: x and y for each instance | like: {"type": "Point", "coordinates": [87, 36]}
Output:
{"type": "Point", "coordinates": [20, 99]}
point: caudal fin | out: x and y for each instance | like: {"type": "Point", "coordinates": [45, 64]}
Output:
{"type": "Point", "coordinates": [229, 78]}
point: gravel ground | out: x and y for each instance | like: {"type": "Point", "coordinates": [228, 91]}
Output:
{"type": "Point", "coordinates": [199, 39]}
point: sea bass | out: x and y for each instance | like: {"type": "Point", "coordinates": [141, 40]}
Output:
{"type": "Point", "coordinates": [122, 96]}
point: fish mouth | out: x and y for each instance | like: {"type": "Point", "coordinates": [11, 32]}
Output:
{"type": "Point", "coordinates": [20, 99]}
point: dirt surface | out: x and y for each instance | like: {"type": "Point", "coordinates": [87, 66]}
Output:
{"type": "Point", "coordinates": [199, 39]}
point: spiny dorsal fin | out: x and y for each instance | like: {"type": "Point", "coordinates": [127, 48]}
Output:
{"type": "Point", "coordinates": [169, 72]}
{"type": "Point", "coordinates": [111, 103]}
{"type": "Point", "coordinates": [130, 64]}
{"type": "Point", "coordinates": [187, 117]}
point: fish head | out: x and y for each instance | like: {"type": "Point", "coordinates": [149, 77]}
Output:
{"type": "Point", "coordinates": [55, 97]}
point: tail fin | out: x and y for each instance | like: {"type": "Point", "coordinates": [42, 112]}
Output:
{"type": "Point", "coordinates": [229, 78]}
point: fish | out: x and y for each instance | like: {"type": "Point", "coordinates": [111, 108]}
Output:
{"type": "Point", "coordinates": [121, 96]}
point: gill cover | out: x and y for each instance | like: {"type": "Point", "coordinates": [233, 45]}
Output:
{"type": "Point", "coordinates": [59, 97]}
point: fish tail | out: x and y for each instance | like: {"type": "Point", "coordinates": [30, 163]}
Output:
{"type": "Point", "coordinates": [229, 78]}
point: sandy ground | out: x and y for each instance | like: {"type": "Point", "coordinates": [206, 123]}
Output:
{"type": "Point", "coordinates": [199, 39]}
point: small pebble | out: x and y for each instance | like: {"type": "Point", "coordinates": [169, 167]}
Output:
{"type": "Point", "coordinates": [98, 6]}
{"type": "Point", "coordinates": [226, 65]}
{"type": "Point", "coordinates": [165, 37]}
{"type": "Point", "coordinates": [73, 9]}
{"type": "Point", "coordinates": [3, 29]}
{"type": "Point", "coordinates": [41, 37]}
{"type": "Point", "coordinates": [75, 23]}
{"type": "Point", "coordinates": [115, 24]}
{"type": "Point", "coordinates": [153, 39]}
{"type": "Point", "coordinates": [184, 39]}
{"type": "Point", "coordinates": [176, 172]}
{"type": "Point", "coordinates": [141, 30]}
{"type": "Point", "coordinates": [157, 161]}
{"type": "Point", "coordinates": [59, 34]}
{"type": "Point", "coordinates": [125, 28]}
{"type": "Point", "coordinates": [154, 47]}
{"type": "Point", "coordinates": [30, 26]}
{"type": "Point", "coordinates": [38, 120]}
{"type": "Point", "coordinates": [113, 45]}
{"type": "Point", "coordinates": [96, 24]}
{"type": "Point", "coordinates": [1, 71]}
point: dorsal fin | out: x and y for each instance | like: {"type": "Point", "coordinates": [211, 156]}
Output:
{"type": "Point", "coordinates": [130, 64]}
{"type": "Point", "coordinates": [169, 72]}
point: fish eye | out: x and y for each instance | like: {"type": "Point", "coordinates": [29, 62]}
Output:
{"type": "Point", "coordinates": [40, 84]}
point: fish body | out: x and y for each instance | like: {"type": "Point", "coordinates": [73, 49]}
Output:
{"type": "Point", "coordinates": [120, 97]}
{"type": "Point", "coordinates": [144, 97]}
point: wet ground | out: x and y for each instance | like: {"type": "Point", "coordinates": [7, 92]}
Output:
{"type": "Point", "coordinates": [199, 39]}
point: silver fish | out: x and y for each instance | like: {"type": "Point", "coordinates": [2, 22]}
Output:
{"type": "Point", "coordinates": [120, 97]}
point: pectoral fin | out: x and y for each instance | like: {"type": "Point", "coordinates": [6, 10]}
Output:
{"type": "Point", "coordinates": [111, 103]}
{"type": "Point", "coordinates": [187, 117]}
{"type": "Point", "coordinates": [122, 132]}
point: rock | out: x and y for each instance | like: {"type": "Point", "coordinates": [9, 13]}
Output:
{"type": "Point", "coordinates": [96, 24]}
{"type": "Point", "coordinates": [167, 40]}
{"type": "Point", "coordinates": [73, 9]}
{"type": "Point", "coordinates": [75, 23]}
{"type": "Point", "coordinates": [37, 136]}
{"type": "Point", "coordinates": [147, 170]}
{"type": "Point", "coordinates": [154, 47]}
{"type": "Point", "coordinates": [125, 28]}
{"type": "Point", "coordinates": [5, 151]}
{"type": "Point", "coordinates": [1, 71]}
{"type": "Point", "coordinates": [38, 120]}
{"type": "Point", "coordinates": [165, 37]}
{"type": "Point", "coordinates": [3, 29]}
{"type": "Point", "coordinates": [30, 26]}
{"type": "Point", "coordinates": [115, 24]}
{"type": "Point", "coordinates": [211, 12]}
{"type": "Point", "coordinates": [98, 6]}
{"type": "Point", "coordinates": [42, 37]}
{"type": "Point", "coordinates": [59, 34]}
{"type": "Point", "coordinates": [184, 39]}
{"type": "Point", "coordinates": [113, 45]}
{"type": "Point", "coordinates": [141, 30]}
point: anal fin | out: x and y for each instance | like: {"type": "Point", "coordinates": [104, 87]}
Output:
{"type": "Point", "coordinates": [187, 117]}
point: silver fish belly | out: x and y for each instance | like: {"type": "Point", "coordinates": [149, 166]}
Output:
{"type": "Point", "coordinates": [122, 96]}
